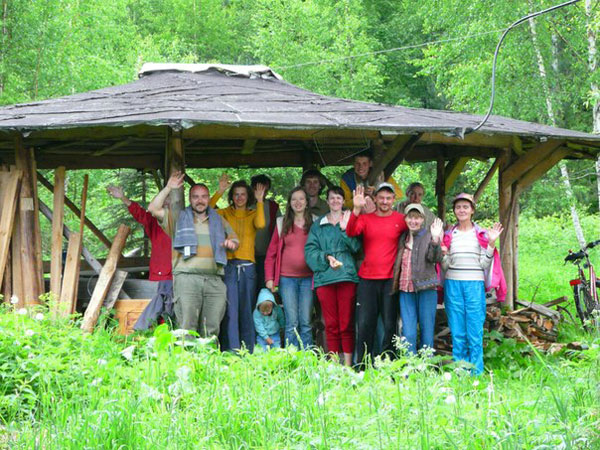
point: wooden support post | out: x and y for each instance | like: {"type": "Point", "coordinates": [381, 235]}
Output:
{"type": "Point", "coordinates": [92, 312]}
{"type": "Point", "coordinates": [32, 289]}
{"type": "Point", "coordinates": [505, 209]}
{"type": "Point", "coordinates": [440, 188]}
{"type": "Point", "coordinates": [18, 289]}
{"type": "Point", "coordinates": [394, 155]}
{"type": "Point", "coordinates": [486, 180]}
{"type": "Point", "coordinates": [57, 230]}
{"type": "Point", "coordinates": [10, 190]}
{"type": "Point", "coordinates": [68, 295]}
{"type": "Point", "coordinates": [175, 161]}
{"type": "Point", "coordinates": [38, 230]}
{"type": "Point", "coordinates": [77, 211]}
{"type": "Point", "coordinates": [452, 171]}
{"type": "Point", "coordinates": [541, 168]}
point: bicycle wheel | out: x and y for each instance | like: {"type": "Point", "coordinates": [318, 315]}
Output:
{"type": "Point", "coordinates": [585, 305]}
{"type": "Point", "coordinates": [579, 306]}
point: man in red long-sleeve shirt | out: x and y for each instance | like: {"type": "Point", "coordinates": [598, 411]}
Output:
{"type": "Point", "coordinates": [160, 261]}
{"type": "Point", "coordinates": [380, 231]}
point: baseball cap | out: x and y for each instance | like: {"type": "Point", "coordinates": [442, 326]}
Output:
{"type": "Point", "coordinates": [387, 186]}
{"type": "Point", "coordinates": [464, 196]}
{"type": "Point", "coordinates": [414, 207]}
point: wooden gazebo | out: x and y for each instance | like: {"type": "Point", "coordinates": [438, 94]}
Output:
{"type": "Point", "coordinates": [197, 115]}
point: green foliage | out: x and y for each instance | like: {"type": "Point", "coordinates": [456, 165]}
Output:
{"type": "Point", "coordinates": [72, 390]}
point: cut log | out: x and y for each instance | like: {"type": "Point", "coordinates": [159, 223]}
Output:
{"type": "Point", "coordinates": [92, 312]}
{"type": "Point", "coordinates": [115, 288]}
{"type": "Point", "coordinates": [556, 301]}
{"type": "Point", "coordinates": [540, 309]}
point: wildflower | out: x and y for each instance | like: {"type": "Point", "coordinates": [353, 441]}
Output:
{"type": "Point", "coordinates": [321, 400]}
{"type": "Point", "coordinates": [127, 353]}
{"type": "Point", "coordinates": [475, 383]}
{"type": "Point", "coordinates": [101, 362]}
{"type": "Point", "coordinates": [14, 300]}
{"type": "Point", "coordinates": [39, 316]}
{"type": "Point", "coordinates": [22, 311]}
{"type": "Point", "coordinates": [29, 333]}
{"type": "Point", "coordinates": [445, 390]}
{"type": "Point", "coordinates": [96, 382]}
{"type": "Point", "coordinates": [450, 400]}
{"type": "Point", "coordinates": [447, 376]}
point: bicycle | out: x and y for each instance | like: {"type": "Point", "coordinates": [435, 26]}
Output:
{"type": "Point", "coordinates": [585, 289]}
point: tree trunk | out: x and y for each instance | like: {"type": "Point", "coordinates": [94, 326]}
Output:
{"type": "Point", "coordinates": [552, 116]}
{"type": "Point", "coordinates": [594, 87]}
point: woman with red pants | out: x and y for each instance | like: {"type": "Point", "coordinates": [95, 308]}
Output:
{"type": "Point", "coordinates": [329, 253]}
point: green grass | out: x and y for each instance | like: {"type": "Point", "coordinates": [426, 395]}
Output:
{"type": "Point", "coordinates": [62, 389]}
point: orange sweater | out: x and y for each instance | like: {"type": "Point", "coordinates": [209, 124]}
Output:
{"type": "Point", "coordinates": [244, 222]}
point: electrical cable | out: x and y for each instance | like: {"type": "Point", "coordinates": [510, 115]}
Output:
{"type": "Point", "coordinates": [462, 132]}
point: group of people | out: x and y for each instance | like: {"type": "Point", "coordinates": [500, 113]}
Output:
{"type": "Point", "coordinates": [367, 259]}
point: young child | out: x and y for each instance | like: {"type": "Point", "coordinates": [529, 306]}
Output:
{"type": "Point", "coordinates": [268, 320]}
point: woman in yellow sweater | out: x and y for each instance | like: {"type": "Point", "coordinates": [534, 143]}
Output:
{"type": "Point", "coordinates": [240, 272]}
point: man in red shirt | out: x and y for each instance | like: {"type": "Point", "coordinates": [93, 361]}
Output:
{"type": "Point", "coordinates": [380, 231]}
{"type": "Point", "coordinates": [160, 261]}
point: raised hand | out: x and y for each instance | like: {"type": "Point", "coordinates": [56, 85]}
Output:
{"type": "Point", "coordinates": [359, 198]}
{"type": "Point", "coordinates": [259, 192]}
{"type": "Point", "coordinates": [494, 232]}
{"type": "Point", "coordinates": [176, 180]}
{"type": "Point", "coordinates": [370, 206]}
{"type": "Point", "coordinates": [344, 220]}
{"type": "Point", "coordinates": [115, 191]}
{"type": "Point", "coordinates": [224, 182]}
{"type": "Point", "coordinates": [437, 230]}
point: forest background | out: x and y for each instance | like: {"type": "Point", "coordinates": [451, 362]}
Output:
{"type": "Point", "coordinates": [433, 54]}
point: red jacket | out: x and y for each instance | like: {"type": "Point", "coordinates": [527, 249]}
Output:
{"type": "Point", "coordinates": [160, 256]}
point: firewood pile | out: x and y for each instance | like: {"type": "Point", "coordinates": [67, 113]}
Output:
{"type": "Point", "coordinates": [533, 322]}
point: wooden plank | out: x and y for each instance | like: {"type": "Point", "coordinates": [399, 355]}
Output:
{"type": "Point", "coordinates": [32, 289]}
{"type": "Point", "coordinates": [382, 161]}
{"type": "Point", "coordinates": [36, 223]}
{"type": "Point", "coordinates": [116, 288]}
{"type": "Point", "coordinates": [10, 189]}
{"type": "Point", "coordinates": [249, 146]}
{"type": "Point", "coordinates": [68, 294]}
{"type": "Point", "coordinates": [175, 161]}
{"type": "Point", "coordinates": [544, 166]}
{"type": "Point", "coordinates": [473, 139]}
{"type": "Point", "coordinates": [530, 159]}
{"type": "Point", "coordinates": [401, 155]}
{"type": "Point", "coordinates": [486, 180]}
{"type": "Point", "coordinates": [90, 318]}
{"type": "Point", "coordinates": [504, 212]}
{"type": "Point", "coordinates": [57, 231]}
{"type": "Point", "coordinates": [17, 275]}
{"type": "Point", "coordinates": [77, 211]}
{"type": "Point", "coordinates": [453, 170]}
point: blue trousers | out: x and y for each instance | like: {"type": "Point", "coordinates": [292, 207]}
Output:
{"type": "Point", "coordinates": [263, 342]}
{"type": "Point", "coordinates": [297, 297]}
{"type": "Point", "coordinates": [465, 308]}
{"type": "Point", "coordinates": [238, 326]}
{"type": "Point", "coordinates": [418, 308]}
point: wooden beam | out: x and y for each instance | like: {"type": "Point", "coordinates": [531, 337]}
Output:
{"type": "Point", "coordinates": [68, 295]}
{"type": "Point", "coordinates": [453, 170]}
{"type": "Point", "coordinates": [10, 190]}
{"type": "Point", "coordinates": [473, 139]}
{"type": "Point", "coordinates": [440, 188]}
{"type": "Point", "coordinates": [486, 180]}
{"type": "Point", "coordinates": [57, 230]}
{"type": "Point", "coordinates": [400, 156]}
{"type": "Point", "coordinates": [32, 289]}
{"type": "Point", "coordinates": [391, 152]}
{"type": "Point", "coordinates": [175, 161]}
{"type": "Point", "coordinates": [115, 146]}
{"type": "Point", "coordinates": [90, 318]}
{"type": "Point", "coordinates": [77, 211]}
{"type": "Point", "coordinates": [530, 159]}
{"type": "Point", "coordinates": [505, 208]}
{"type": "Point", "coordinates": [17, 275]}
{"type": "Point", "coordinates": [189, 180]}
{"type": "Point", "coordinates": [248, 147]}
{"type": "Point", "coordinates": [540, 169]}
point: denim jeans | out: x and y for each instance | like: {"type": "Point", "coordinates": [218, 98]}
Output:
{"type": "Point", "coordinates": [418, 307]}
{"type": "Point", "coordinates": [263, 342]}
{"type": "Point", "coordinates": [297, 297]}
{"type": "Point", "coordinates": [240, 279]}
{"type": "Point", "coordinates": [465, 308]}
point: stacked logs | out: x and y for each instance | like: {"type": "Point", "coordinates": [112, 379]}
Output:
{"type": "Point", "coordinates": [533, 322]}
